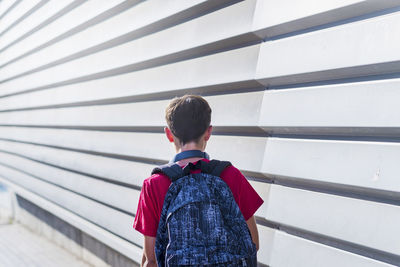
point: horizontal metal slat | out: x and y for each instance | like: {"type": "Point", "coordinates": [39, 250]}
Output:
{"type": "Point", "coordinates": [78, 16]}
{"type": "Point", "coordinates": [16, 14]}
{"type": "Point", "coordinates": [372, 165]}
{"type": "Point", "coordinates": [367, 104]}
{"type": "Point", "coordinates": [110, 219]}
{"type": "Point", "coordinates": [278, 18]}
{"type": "Point", "coordinates": [305, 253]}
{"type": "Point", "coordinates": [126, 248]}
{"type": "Point", "coordinates": [157, 47]}
{"type": "Point", "coordinates": [33, 21]}
{"type": "Point", "coordinates": [355, 49]}
{"type": "Point", "coordinates": [152, 146]}
{"type": "Point", "coordinates": [366, 223]}
{"type": "Point", "coordinates": [62, 49]}
{"type": "Point", "coordinates": [117, 196]}
{"type": "Point", "coordinates": [5, 5]}
{"type": "Point", "coordinates": [235, 66]}
{"type": "Point", "coordinates": [118, 170]}
{"type": "Point", "coordinates": [275, 246]}
{"type": "Point", "coordinates": [244, 109]}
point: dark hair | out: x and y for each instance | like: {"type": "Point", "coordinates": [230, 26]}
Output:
{"type": "Point", "coordinates": [188, 117]}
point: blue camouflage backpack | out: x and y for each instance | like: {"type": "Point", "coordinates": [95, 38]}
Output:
{"type": "Point", "coordinates": [201, 224]}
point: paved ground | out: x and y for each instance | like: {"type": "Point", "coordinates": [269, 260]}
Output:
{"type": "Point", "coordinates": [19, 247]}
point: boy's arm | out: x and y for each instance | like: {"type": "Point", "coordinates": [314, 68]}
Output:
{"type": "Point", "coordinates": [251, 223]}
{"type": "Point", "coordinates": [149, 257]}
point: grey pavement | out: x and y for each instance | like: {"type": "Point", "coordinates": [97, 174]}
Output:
{"type": "Point", "coordinates": [20, 247]}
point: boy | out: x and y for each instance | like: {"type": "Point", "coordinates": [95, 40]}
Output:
{"type": "Point", "coordinates": [188, 119]}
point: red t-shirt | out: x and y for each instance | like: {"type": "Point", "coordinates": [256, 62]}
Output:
{"type": "Point", "coordinates": [155, 188]}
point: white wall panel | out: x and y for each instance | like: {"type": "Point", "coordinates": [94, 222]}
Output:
{"type": "Point", "coordinates": [312, 254]}
{"type": "Point", "coordinates": [232, 148]}
{"type": "Point", "coordinates": [125, 171]}
{"type": "Point", "coordinates": [141, 15]}
{"type": "Point", "coordinates": [126, 248]}
{"type": "Point", "coordinates": [360, 48]}
{"type": "Point", "coordinates": [357, 221]}
{"type": "Point", "coordinates": [5, 5]}
{"type": "Point", "coordinates": [15, 14]}
{"type": "Point", "coordinates": [115, 195]}
{"type": "Point", "coordinates": [267, 236]}
{"type": "Point", "coordinates": [233, 66]}
{"type": "Point", "coordinates": [280, 17]}
{"type": "Point", "coordinates": [38, 17]}
{"type": "Point", "coordinates": [82, 103]}
{"type": "Point", "coordinates": [110, 219]}
{"type": "Point", "coordinates": [360, 104]}
{"type": "Point", "coordinates": [372, 165]}
{"type": "Point", "coordinates": [85, 12]}
{"type": "Point", "coordinates": [149, 113]}
{"type": "Point", "coordinates": [146, 48]}
{"type": "Point", "coordinates": [121, 143]}
{"type": "Point", "coordinates": [275, 246]}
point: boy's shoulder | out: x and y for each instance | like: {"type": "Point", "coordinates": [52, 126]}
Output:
{"type": "Point", "coordinates": [157, 179]}
{"type": "Point", "coordinates": [230, 170]}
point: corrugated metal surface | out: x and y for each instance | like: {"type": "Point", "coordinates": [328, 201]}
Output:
{"type": "Point", "coordinates": [304, 97]}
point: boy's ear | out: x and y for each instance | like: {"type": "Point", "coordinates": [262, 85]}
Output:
{"type": "Point", "coordinates": [169, 134]}
{"type": "Point", "coordinates": [208, 133]}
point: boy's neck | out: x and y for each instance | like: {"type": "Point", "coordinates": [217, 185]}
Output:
{"type": "Point", "coordinates": [189, 146]}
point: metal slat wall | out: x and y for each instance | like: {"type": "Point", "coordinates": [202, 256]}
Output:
{"type": "Point", "coordinates": [304, 98]}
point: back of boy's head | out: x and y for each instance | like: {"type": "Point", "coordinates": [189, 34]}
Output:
{"type": "Point", "coordinates": [188, 117]}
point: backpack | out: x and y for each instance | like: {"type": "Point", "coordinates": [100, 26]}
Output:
{"type": "Point", "coordinates": [200, 223]}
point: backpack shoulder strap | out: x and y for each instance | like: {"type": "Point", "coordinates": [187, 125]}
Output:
{"type": "Point", "coordinates": [215, 167]}
{"type": "Point", "coordinates": [172, 170]}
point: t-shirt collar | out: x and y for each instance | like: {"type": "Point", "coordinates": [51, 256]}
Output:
{"type": "Point", "coordinates": [189, 154]}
